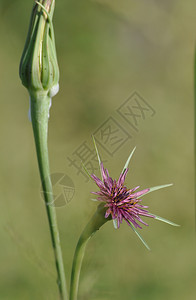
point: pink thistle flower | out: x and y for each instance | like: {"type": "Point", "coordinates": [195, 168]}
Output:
{"type": "Point", "coordinates": [122, 203]}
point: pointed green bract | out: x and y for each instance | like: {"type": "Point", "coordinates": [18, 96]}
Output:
{"type": "Point", "coordinates": [99, 160]}
{"type": "Point", "coordinates": [85, 169]}
{"type": "Point", "coordinates": [128, 160]}
{"type": "Point", "coordinates": [155, 188]}
{"type": "Point", "coordinates": [164, 220]}
{"type": "Point", "coordinates": [115, 223]}
{"type": "Point", "coordinates": [98, 156]}
{"type": "Point", "coordinates": [140, 237]}
{"type": "Point", "coordinates": [45, 10]}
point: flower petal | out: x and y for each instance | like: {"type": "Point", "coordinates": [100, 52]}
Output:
{"type": "Point", "coordinates": [122, 177]}
{"type": "Point", "coordinates": [103, 172]}
{"type": "Point", "coordinates": [134, 189]}
{"type": "Point", "coordinates": [98, 182]}
{"type": "Point", "coordinates": [139, 194]}
{"type": "Point", "coordinates": [108, 212]}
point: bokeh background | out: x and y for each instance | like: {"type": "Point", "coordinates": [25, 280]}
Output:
{"type": "Point", "coordinates": [107, 50]}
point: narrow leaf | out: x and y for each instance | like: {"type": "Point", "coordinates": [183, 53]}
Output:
{"type": "Point", "coordinates": [152, 189]}
{"type": "Point", "coordinates": [128, 160]}
{"type": "Point", "coordinates": [140, 237]}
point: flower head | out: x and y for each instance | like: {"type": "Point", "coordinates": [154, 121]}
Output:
{"type": "Point", "coordinates": [122, 203]}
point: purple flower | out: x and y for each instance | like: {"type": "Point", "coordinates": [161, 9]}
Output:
{"type": "Point", "coordinates": [122, 203]}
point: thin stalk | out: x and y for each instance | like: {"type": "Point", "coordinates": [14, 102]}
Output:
{"type": "Point", "coordinates": [94, 224]}
{"type": "Point", "coordinates": [195, 128]}
{"type": "Point", "coordinates": [40, 106]}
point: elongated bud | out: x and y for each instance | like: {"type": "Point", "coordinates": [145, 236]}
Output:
{"type": "Point", "coordinates": [39, 70]}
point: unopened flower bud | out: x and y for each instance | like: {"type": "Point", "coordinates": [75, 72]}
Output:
{"type": "Point", "coordinates": [39, 70]}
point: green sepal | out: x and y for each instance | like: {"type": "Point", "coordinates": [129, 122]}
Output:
{"type": "Point", "coordinates": [155, 188]}
{"type": "Point", "coordinates": [85, 169]}
{"type": "Point", "coordinates": [98, 156]}
{"type": "Point", "coordinates": [140, 237]}
{"type": "Point", "coordinates": [128, 161]}
{"type": "Point", "coordinates": [164, 220]}
{"type": "Point", "coordinates": [115, 223]}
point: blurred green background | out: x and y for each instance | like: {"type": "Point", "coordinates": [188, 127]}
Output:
{"type": "Point", "coordinates": [106, 50]}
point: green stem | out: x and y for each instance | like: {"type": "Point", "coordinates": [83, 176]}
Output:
{"type": "Point", "coordinates": [195, 126]}
{"type": "Point", "coordinates": [40, 106]}
{"type": "Point", "coordinates": [94, 224]}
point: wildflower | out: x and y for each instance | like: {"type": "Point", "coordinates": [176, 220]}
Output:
{"type": "Point", "coordinates": [122, 203]}
{"type": "Point", "coordinates": [39, 73]}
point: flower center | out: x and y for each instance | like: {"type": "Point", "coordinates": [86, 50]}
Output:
{"type": "Point", "coordinates": [118, 194]}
